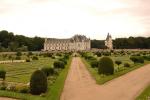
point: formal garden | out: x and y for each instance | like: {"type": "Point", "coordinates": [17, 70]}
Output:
{"type": "Point", "coordinates": [107, 65]}
{"type": "Point", "coordinates": [40, 76]}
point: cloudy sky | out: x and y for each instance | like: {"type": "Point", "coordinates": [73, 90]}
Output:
{"type": "Point", "coordinates": [64, 18]}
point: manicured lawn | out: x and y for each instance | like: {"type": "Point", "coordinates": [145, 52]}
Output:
{"type": "Point", "coordinates": [21, 72]}
{"type": "Point", "coordinates": [145, 95]}
{"type": "Point", "coordinates": [53, 93]}
{"type": "Point", "coordinates": [101, 79]}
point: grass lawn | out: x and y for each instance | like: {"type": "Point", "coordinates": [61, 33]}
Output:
{"type": "Point", "coordinates": [21, 72]}
{"type": "Point", "coordinates": [54, 90]}
{"type": "Point", "coordinates": [101, 79]}
{"type": "Point", "coordinates": [145, 95]}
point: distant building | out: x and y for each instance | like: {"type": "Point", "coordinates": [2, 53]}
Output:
{"type": "Point", "coordinates": [76, 43]}
{"type": "Point", "coordinates": [109, 42]}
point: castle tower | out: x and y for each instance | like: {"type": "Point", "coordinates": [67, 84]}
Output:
{"type": "Point", "coordinates": [109, 42]}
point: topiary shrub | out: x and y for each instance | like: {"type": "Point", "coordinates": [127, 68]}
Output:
{"type": "Point", "coordinates": [94, 63]}
{"type": "Point", "coordinates": [38, 83]}
{"type": "Point", "coordinates": [59, 64]}
{"type": "Point", "coordinates": [48, 70]}
{"type": "Point", "coordinates": [35, 58]}
{"type": "Point", "coordinates": [118, 62]}
{"type": "Point", "coordinates": [106, 66]}
{"type": "Point", "coordinates": [98, 54]}
{"type": "Point", "coordinates": [126, 65]}
{"type": "Point", "coordinates": [137, 59]}
{"type": "Point", "coordinates": [63, 60]}
{"type": "Point", "coordinates": [27, 60]}
{"type": "Point", "coordinates": [2, 73]}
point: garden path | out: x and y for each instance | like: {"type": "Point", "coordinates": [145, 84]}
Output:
{"type": "Point", "coordinates": [79, 84]}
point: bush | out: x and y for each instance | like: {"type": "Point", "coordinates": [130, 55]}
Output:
{"type": "Point", "coordinates": [48, 70]}
{"type": "Point", "coordinates": [98, 54]}
{"type": "Point", "coordinates": [118, 62]}
{"type": "Point", "coordinates": [35, 58]}
{"type": "Point", "coordinates": [106, 66]}
{"type": "Point", "coordinates": [30, 53]}
{"type": "Point", "coordinates": [137, 59]}
{"type": "Point", "coordinates": [18, 53]}
{"type": "Point", "coordinates": [94, 63]}
{"type": "Point", "coordinates": [146, 58]}
{"type": "Point", "coordinates": [107, 53]}
{"type": "Point", "coordinates": [18, 58]}
{"type": "Point", "coordinates": [2, 73]}
{"type": "Point", "coordinates": [38, 83]}
{"type": "Point", "coordinates": [126, 65]}
{"type": "Point", "coordinates": [28, 60]}
{"type": "Point", "coordinates": [59, 64]}
{"type": "Point", "coordinates": [63, 60]}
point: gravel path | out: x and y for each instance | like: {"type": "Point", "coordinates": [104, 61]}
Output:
{"type": "Point", "coordinates": [79, 84]}
{"type": "Point", "coordinates": [5, 98]}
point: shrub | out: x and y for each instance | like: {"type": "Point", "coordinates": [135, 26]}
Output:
{"type": "Point", "coordinates": [48, 70]}
{"type": "Point", "coordinates": [18, 58]}
{"type": "Point", "coordinates": [18, 53]}
{"type": "Point", "coordinates": [28, 60]}
{"type": "Point", "coordinates": [35, 58]}
{"type": "Point", "coordinates": [146, 58]}
{"type": "Point", "coordinates": [98, 54]}
{"type": "Point", "coordinates": [59, 64]}
{"type": "Point", "coordinates": [137, 59]}
{"type": "Point", "coordinates": [2, 73]}
{"type": "Point", "coordinates": [118, 62]}
{"type": "Point", "coordinates": [126, 65]}
{"type": "Point", "coordinates": [94, 63]}
{"type": "Point", "coordinates": [106, 66]}
{"type": "Point", "coordinates": [63, 60]}
{"type": "Point", "coordinates": [107, 53]}
{"type": "Point", "coordinates": [30, 53]}
{"type": "Point", "coordinates": [38, 82]}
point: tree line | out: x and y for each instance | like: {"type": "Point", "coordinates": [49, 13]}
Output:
{"type": "Point", "coordinates": [11, 42]}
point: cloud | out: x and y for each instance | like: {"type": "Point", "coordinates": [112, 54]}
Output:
{"type": "Point", "coordinates": [54, 18]}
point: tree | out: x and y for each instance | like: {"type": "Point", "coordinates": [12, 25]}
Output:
{"type": "Point", "coordinates": [38, 83]}
{"type": "Point", "coordinates": [2, 73]}
{"type": "Point", "coordinates": [106, 66]}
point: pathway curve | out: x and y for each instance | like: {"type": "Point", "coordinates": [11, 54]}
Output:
{"type": "Point", "coordinates": [79, 84]}
{"type": "Point", "coordinates": [5, 98]}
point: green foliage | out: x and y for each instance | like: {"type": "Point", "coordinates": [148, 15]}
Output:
{"type": "Point", "coordinates": [137, 59]}
{"type": "Point", "coordinates": [59, 64]}
{"type": "Point", "coordinates": [2, 73]}
{"type": "Point", "coordinates": [18, 53]}
{"type": "Point", "coordinates": [126, 65]}
{"type": "Point", "coordinates": [99, 54]}
{"type": "Point", "coordinates": [118, 62]}
{"type": "Point", "coordinates": [106, 66]}
{"type": "Point", "coordinates": [146, 58]}
{"type": "Point", "coordinates": [48, 70]}
{"type": "Point", "coordinates": [94, 63]}
{"type": "Point", "coordinates": [18, 58]}
{"type": "Point", "coordinates": [38, 83]}
{"type": "Point", "coordinates": [30, 53]}
{"type": "Point", "coordinates": [63, 60]}
{"type": "Point", "coordinates": [27, 60]}
{"type": "Point", "coordinates": [35, 58]}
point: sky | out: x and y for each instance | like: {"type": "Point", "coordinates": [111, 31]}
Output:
{"type": "Point", "coordinates": [65, 18]}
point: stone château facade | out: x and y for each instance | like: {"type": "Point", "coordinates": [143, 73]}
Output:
{"type": "Point", "coordinates": [109, 42]}
{"type": "Point", "coordinates": [76, 43]}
